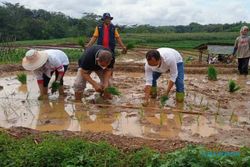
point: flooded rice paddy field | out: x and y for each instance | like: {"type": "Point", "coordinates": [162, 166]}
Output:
{"type": "Point", "coordinates": [209, 114]}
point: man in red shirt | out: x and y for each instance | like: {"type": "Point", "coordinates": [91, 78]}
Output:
{"type": "Point", "coordinates": [106, 34]}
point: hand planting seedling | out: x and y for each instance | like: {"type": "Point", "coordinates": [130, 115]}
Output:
{"type": "Point", "coordinates": [55, 86]}
{"type": "Point", "coordinates": [163, 100]}
{"type": "Point", "coordinates": [22, 77]}
{"type": "Point", "coordinates": [232, 86]}
{"type": "Point", "coordinates": [113, 90]}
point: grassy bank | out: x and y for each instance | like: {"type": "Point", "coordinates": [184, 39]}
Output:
{"type": "Point", "coordinates": [51, 150]}
{"type": "Point", "coordinates": [174, 40]}
{"type": "Point", "coordinates": [15, 55]}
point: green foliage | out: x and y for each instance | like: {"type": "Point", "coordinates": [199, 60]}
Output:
{"type": "Point", "coordinates": [10, 55]}
{"type": "Point", "coordinates": [233, 86]}
{"type": "Point", "coordinates": [22, 77]}
{"type": "Point", "coordinates": [130, 46]}
{"type": "Point", "coordinates": [81, 42]}
{"type": "Point", "coordinates": [212, 73]}
{"type": "Point", "coordinates": [113, 90]}
{"type": "Point", "coordinates": [144, 157]}
{"type": "Point", "coordinates": [73, 54]}
{"type": "Point", "coordinates": [59, 151]}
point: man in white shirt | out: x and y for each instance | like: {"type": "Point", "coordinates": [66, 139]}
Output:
{"type": "Point", "coordinates": [160, 61]}
{"type": "Point", "coordinates": [44, 64]}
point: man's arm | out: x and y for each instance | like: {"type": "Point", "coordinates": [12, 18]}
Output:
{"type": "Point", "coordinates": [86, 77]}
{"type": "Point", "coordinates": [107, 75]}
{"type": "Point", "coordinates": [93, 38]}
{"type": "Point", "coordinates": [91, 42]}
{"type": "Point", "coordinates": [173, 75]}
{"type": "Point", "coordinates": [119, 40]}
{"type": "Point", "coordinates": [169, 86]}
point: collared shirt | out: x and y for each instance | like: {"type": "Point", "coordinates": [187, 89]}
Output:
{"type": "Point", "coordinates": [56, 60]}
{"type": "Point", "coordinates": [169, 60]}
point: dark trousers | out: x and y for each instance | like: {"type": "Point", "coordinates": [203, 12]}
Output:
{"type": "Point", "coordinates": [243, 66]}
{"type": "Point", "coordinates": [46, 79]}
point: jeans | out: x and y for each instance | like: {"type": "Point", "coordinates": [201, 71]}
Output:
{"type": "Point", "coordinates": [179, 82]}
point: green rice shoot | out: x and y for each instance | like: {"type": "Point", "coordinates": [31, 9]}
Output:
{"type": "Point", "coordinates": [163, 100]}
{"type": "Point", "coordinates": [212, 73]}
{"type": "Point", "coordinates": [22, 77]}
{"type": "Point", "coordinates": [233, 86]}
{"type": "Point", "coordinates": [113, 90]}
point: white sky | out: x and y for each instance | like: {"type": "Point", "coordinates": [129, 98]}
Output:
{"type": "Point", "coordinates": [153, 12]}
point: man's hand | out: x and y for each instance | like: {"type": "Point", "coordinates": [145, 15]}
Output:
{"type": "Point", "coordinates": [232, 58]}
{"type": "Point", "coordinates": [124, 50]}
{"type": "Point", "coordinates": [98, 88]}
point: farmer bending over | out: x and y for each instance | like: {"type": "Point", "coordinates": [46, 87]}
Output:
{"type": "Point", "coordinates": [44, 64]}
{"type": "Point", "coordinates": [94, 59]}
{"type": "Point", "coordinates": [160, 61]}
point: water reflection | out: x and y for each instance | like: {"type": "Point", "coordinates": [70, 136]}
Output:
{"type": "Point", "coordinates": [19, 107]}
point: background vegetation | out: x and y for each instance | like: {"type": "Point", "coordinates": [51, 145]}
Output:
{"type": "Point", "coordinates": [21, 23]}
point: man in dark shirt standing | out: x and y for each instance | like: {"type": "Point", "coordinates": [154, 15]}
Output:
{"type": "Point", "coordinates": [101, 61]}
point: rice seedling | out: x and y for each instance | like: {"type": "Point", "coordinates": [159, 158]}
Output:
{"type": "Point", "coordinates": [141, 112]}
{"type": "Point", "coordinates": [55, 86]}
{"type": "Point", "coordinates": [233, 86]}
{"type": "Point", "coordinates": [113, 90]}
{"type": "Point", "coordinates": [163, 100]}
{"type": "Point", "coordinates": [212, 73]}
{"type": "Point", "coordinates": [22, 77]}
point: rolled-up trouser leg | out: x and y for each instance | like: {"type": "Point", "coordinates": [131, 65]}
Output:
{"type": "Point", "coordinates": [79, 85]}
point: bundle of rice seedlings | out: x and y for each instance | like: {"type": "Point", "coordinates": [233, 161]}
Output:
{"type": "Point", "coordinates": [163, 100]}
{"type": "Point", "coordinates": [22, 77]}
{"type": "Point", "coordinates": [55, 86]}
{"type": "Point", "coordinates": [113, 90]}
{"type": "Point", "coordinates": [232, 86]}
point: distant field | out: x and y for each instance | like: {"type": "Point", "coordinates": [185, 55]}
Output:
{"type": "Point", "coordinates": [174, 40]}
{"type": "Point", "coordinates": [179, 40]}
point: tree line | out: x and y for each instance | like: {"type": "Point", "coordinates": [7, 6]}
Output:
{"type": "Point", "coordinates": [21, 23]}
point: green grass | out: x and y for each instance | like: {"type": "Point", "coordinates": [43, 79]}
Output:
{"type": "Point", "coordinates": [12, 55]}
{"type": "Point", "coordinates": [51, 150]}
{"type": "Point", "coordinates": [212, 73]}
{"type": "Point", "coordinates": [22, 77]}
{"type": "Point", "coordinates": [16, 55]}
{"type": "Point", "coordinates": [71, 40]}
{"type": "Point", "coordinates": [173, 40]}
{"type": "Point", "coordinates": [233, 86]}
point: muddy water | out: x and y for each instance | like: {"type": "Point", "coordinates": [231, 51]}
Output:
{"type": "Point", "coordinates": [223, 116]}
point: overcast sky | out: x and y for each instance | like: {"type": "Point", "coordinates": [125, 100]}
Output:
{"type": "Point", "coordinates": [154, 12]}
